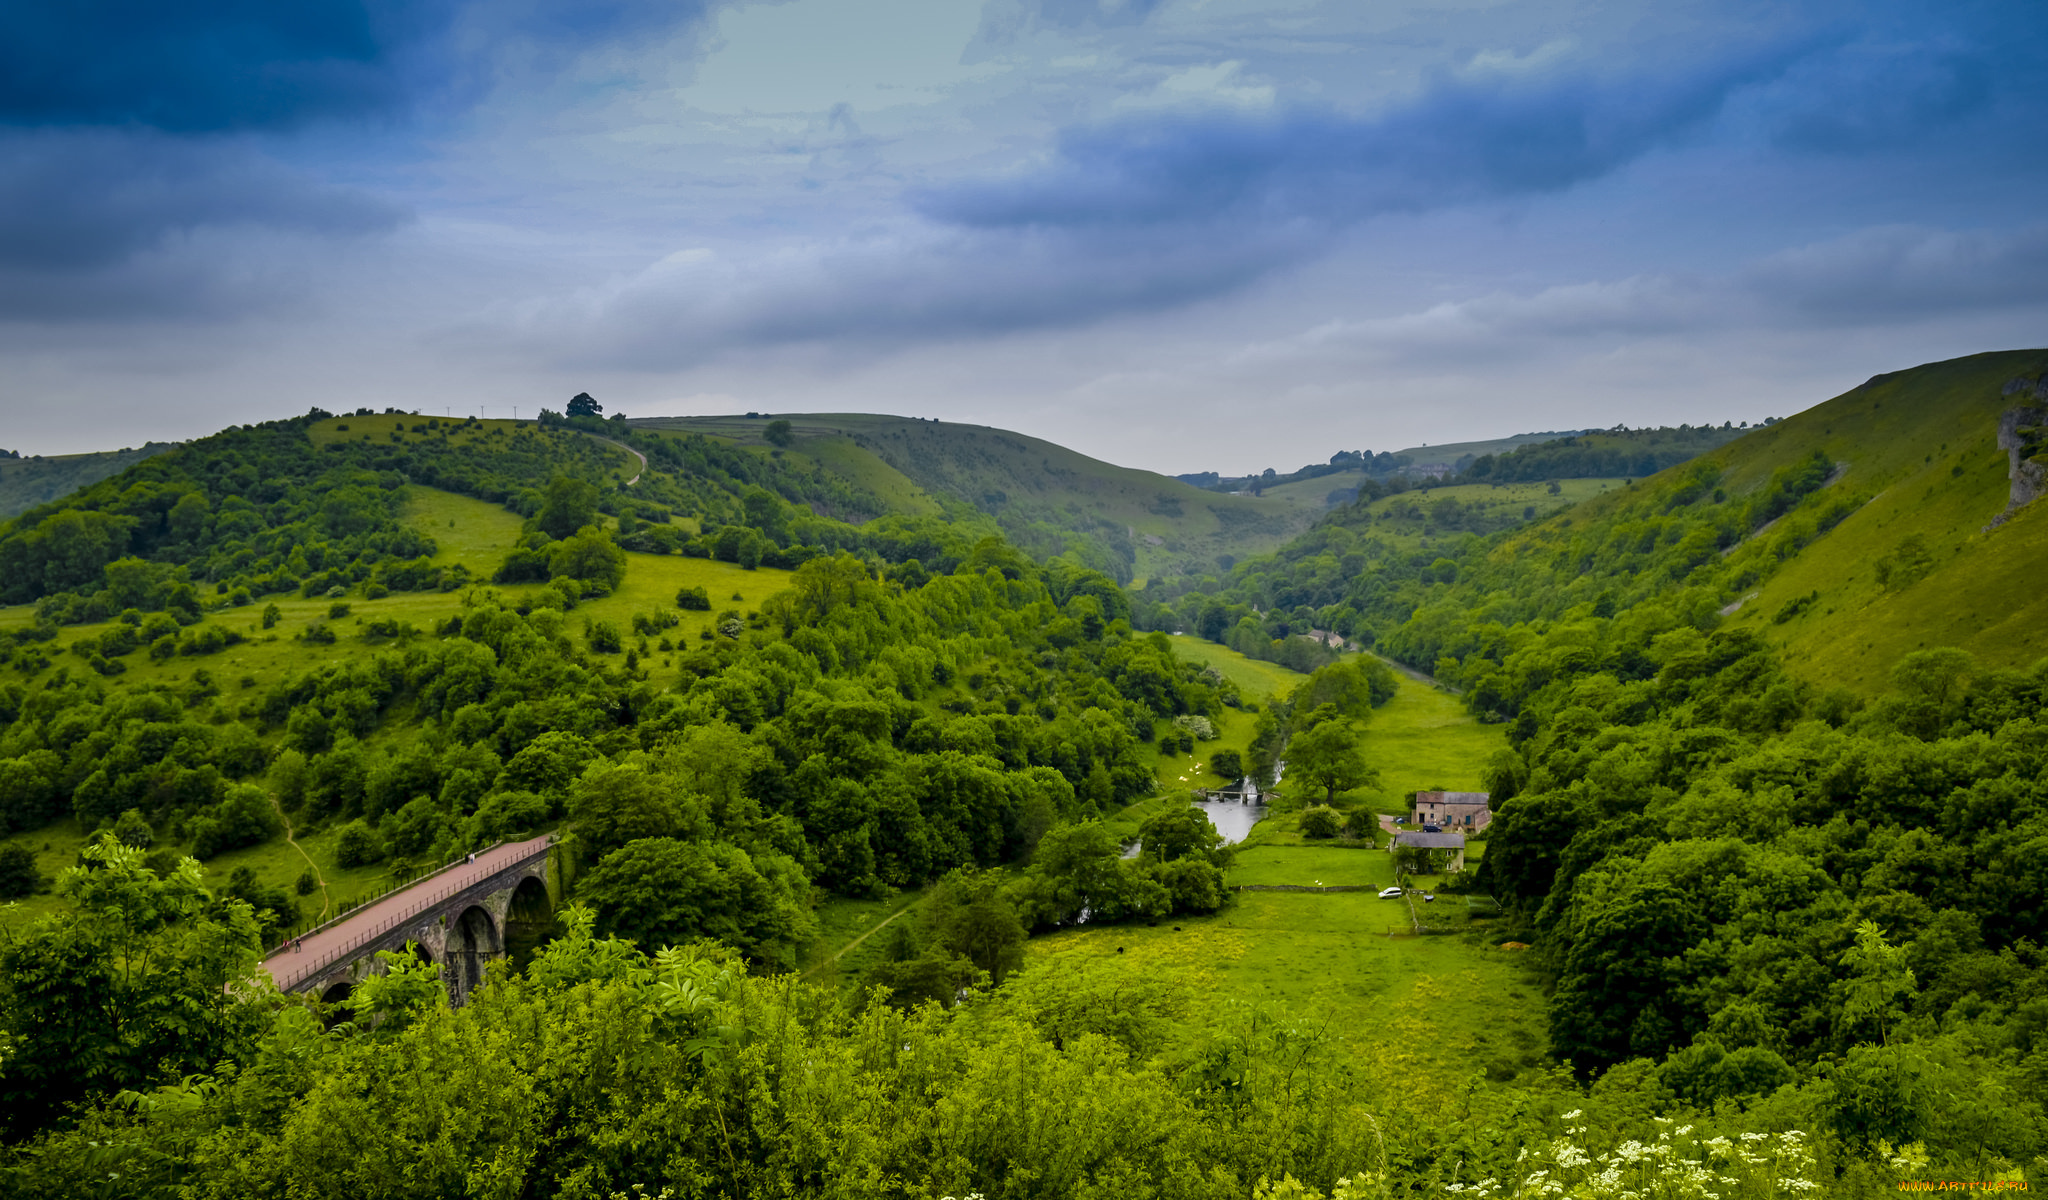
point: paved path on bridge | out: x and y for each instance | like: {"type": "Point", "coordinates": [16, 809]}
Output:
{"type": "Point", "coordinates": [323, 946]}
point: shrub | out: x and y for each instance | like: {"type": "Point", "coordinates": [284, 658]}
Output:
{"type": "Point", "coordinates": [357, 845]}
{"type": "Point", "coordinates": [602, 637]}
{"type": "Point", "coordinates": [1320, 821]}
{"type": "Point", "coordinates": [18, 874]}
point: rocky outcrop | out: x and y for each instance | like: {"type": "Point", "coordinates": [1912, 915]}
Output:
{"type": "Point", "coordinates": [2023, 435]}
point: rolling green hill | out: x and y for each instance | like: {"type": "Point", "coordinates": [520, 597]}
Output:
{"type": "Point", "coordinates": [1129, 523]}
{"type": "Point", "coordinates": [1848, 535]}
{"type": "Point", "coordinates": [27, 482]}
{"type": "Point", "coordinates": [1913, 565]}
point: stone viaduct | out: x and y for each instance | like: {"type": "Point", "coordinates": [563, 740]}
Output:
{"type": "Point", "coordinates": [500, 901]}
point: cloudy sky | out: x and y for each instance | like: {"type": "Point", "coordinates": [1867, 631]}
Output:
{"type": "Point", "coordinates": [1177, 234]}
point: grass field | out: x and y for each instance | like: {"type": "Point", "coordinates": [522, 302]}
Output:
{"type": "Point", "coordinates": [1423, 739]}
{"type": "Point", "coordinates": [1255, 680]}
{"type": "Point", "coordinates": [1312, 866]}
{"type": "Point", "coordinates": [1327, 958]}
{"type": "Point", "coordinates": [850, 936]}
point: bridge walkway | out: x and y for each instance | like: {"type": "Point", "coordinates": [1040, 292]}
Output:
{"type": "Point", "coordinates": [344, 937]}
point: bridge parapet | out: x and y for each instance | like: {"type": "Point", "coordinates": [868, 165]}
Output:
{"type": "Point", "coordinates": [457, 916]}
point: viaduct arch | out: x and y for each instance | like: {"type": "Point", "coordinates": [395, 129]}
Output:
{"type": "Point", "coordinates": [500, 901]}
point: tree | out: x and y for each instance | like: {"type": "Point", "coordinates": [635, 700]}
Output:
{"type": "Point", "coordinates": [591, 557]}
{"type": "Point", "coordinates": [356, 845]}
{"type": "Point", "coordinates": [582, 405]}
{"type": "Point", "coordinates": [1228, 764]}
{"type": "Point", "coordinates": [778, 433]}
{"type": "Point", "coordinates": [1882, 982]}
{"type": "Point", "coordinates": [18, 874]}
{"type": "Point", "coordinates": [664, 892]}
{"type": "Point", "coordinates": [127, 989]}
{"type": "Point", "coordinates": [1180, 833]}
{"type": "Point", "coordinates": [968, 916]}
{"type": "Point", "coordinates": [567, 505]}
{"type": "Point", "coordinates": [1328, 757]}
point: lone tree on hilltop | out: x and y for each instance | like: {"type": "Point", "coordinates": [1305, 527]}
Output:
{"type": "Point", "coordinates": [584, 406]}
{"type": "Point", "coordinates": [778, 432]}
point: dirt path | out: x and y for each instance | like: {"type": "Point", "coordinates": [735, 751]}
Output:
{"type": "Point", "coordinates": [310, 864]}
{"type": "Point", "coordinates": [628, 449]}
{"type": "Point", "coordinates": [877, 928]}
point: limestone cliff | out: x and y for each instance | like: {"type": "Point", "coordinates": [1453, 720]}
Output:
{"type": "Point", "coordinates": [2023, 435]}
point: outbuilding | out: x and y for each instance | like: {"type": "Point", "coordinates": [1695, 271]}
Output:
{"type": "Point", "coordinates": [1447, 848]}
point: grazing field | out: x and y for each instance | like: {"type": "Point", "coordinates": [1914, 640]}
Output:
{"type": "Point", "coordinates": [1326, 959]}
{"type": "Point", "coordinates": [1255, 679]}
{"type": "Point", "coordinates": [1312, 866]}
{"type": "Point", "coordinates": [1424, 739]}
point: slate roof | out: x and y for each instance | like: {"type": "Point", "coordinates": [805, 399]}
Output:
{"type": "Point", "coordinates": [1480, 799]}
{"type": "Point", "coordinates": [1431, 841]}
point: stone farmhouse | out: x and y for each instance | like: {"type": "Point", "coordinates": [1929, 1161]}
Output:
{"type": "Point", "coordinates": [1467, 812]}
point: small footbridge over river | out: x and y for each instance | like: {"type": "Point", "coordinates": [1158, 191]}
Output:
{"type": "Point", "coordinates": [497, 902]}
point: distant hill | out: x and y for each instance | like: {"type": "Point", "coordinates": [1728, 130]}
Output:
{"type": "Point", "coordinates": [27, 482]}
{"type": "Point", "coordinates": [1126, 522]}
{"type": "Point", "coordinates": [1849, 535]}
{"type": "Point", "coordinates": [1522, 458]}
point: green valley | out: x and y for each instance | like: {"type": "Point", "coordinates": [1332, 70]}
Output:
{"type": "Point", "coordinates": [869, 744]}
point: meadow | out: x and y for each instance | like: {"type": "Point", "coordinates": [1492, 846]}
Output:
{"type": "Point", "coordinates": [1340, 963]}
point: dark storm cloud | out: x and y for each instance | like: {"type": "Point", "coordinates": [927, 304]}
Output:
{"type": "Point", "coordinates": [89, 198]}
{"type": "Point", "coordinates": [129, 126]}
{"type": "Point", "coordinates": [1463, 139]}
{"type": "Point", "coordinates": [199, 67]}
{"type": "Point", "coordinates": [221, 65]}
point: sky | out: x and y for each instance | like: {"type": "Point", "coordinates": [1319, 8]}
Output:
{"type": "Point", "coordinates": [1175, 234]}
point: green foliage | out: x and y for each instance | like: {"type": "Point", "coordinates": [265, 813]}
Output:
{"type": "Point", "coordinates": [18, 874]}
{"type": "Point", "coordinates": [127, 989]}
{"type": "Point", "coordinates": [1321, 821]}
{"type": "Point", "coordinates": [567, 505]}
{"type": "Point", "coordinates": [357, 845]}
{"type": "Point", "coordinates": [658, 891]}
{"type": "Point", "coordinates": [405, 992]}
{"type": "Point", "coordinates": [777, 433]}
{"type": "Point", "coordinates": [1329, 756]}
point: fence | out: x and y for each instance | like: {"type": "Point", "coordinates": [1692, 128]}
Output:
{"type": "Point", "coordinates": [285, 982]}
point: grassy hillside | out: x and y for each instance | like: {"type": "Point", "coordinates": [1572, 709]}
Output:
{"type": "Point", "coordinates": [27, 482]}
{"type": "Point", "coordinates": [1923, 443]}
{"type": "Point", "coordinates": [1419, 520]}
{"type": "Point", "coordinates": [1451, 452]}
{"type": "Point", "coordinates": [1922, 446]}
{"type": "Point", "coordinates": [1045, 496]}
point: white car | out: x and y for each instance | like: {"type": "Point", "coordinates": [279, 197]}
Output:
{"type": "Point", "coordinates": [1389, 893]}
